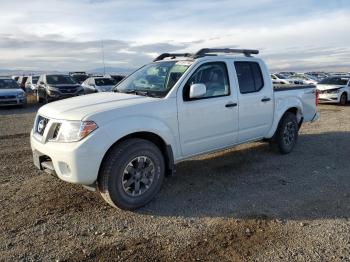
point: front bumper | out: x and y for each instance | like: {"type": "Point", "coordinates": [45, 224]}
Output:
{"type": "Point", "coordinates": [76, 162]}
{"type": "Point", "coordinates": [12, 102]}
{"type": "Point", "coordinates": [329, 97]}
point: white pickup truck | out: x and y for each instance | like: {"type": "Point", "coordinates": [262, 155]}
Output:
{"type": "Point", "coordinates": [181, 105]}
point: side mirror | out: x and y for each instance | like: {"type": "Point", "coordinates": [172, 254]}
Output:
{"type": "Point", "coordinates": [197, 90]}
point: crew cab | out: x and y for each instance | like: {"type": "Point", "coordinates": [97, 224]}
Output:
{"type": "Point", "coordinates": [179, 106]}
{"type": "Point", "coordinates": [334, 89]}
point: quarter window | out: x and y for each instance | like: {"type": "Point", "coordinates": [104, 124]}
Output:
{"type": "Point", "coordinates": [249, 77]}
{"type": "Point", "coordinates": [214, 76]}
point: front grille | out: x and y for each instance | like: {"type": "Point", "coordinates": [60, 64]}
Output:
{"type": "Point", "coordinates": [8, 102]}
{"type": "Point", "coordinates": [68, 89]}
{"type": "Point", "coordinates": [55, 132]}
{"type": "Point", "coordinates": [7, 97]}
{"type": "Point", "coordinates": [41, 125]}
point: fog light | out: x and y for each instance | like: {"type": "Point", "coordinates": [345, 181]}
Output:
{"type": "Point", "coordinates": [64, 168]}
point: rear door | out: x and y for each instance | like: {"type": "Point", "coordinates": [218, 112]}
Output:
{"type": "Point", "coordinates": [256, 104]}
{"type": "Point", "coordinates": [209, 122]}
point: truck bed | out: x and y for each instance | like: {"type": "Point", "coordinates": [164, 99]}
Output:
{"type": "Point", "coordinates": [278, 88]}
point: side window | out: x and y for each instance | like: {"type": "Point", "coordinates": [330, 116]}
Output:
{"type": "Point", "coordinates": [249, 76]}
{"type": "Point", "coordinates": [214, 76]}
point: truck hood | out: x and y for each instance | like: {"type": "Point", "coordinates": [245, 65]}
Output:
{"type": "Point", "coordinates": [77, 108]}
{"type": "Point", "coordinates": [327, 87]}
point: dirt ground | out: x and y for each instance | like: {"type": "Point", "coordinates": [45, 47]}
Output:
{"type": "Point", "coordinates": [245, 204]}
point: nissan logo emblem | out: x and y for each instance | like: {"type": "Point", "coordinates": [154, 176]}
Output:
{"type": "Point", "coordinates": [41, 125]}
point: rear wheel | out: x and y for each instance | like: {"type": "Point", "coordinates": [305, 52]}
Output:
{"type": "Point", "coordinates": [132, 174]}
{"type": "Point", "coordinates": [343, 99]}
{"type": "Point", "coordinates": [287, 133]}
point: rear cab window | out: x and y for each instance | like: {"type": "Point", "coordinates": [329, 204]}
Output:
{"type": "Point", "coordinates": [249, 75]}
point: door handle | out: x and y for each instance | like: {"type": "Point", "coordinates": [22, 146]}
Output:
{"type": "Point", "coordinates": [265, 99]}
{"type": "Point", "coordinates": [231, 105]}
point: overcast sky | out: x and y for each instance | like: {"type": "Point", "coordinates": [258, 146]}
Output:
{"type": "Point", "coordinates": [67, 34]}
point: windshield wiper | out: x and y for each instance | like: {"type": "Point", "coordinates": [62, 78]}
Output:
{"type": "Point", "coordinates": [139, 92]}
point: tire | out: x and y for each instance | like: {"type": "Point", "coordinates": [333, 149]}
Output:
{"type": "Point", "coordinates": [343, 99]}
{"type": "Point", "coordinates": [287, 133]}
{"type": "Point", "coordinates": [118, 186]}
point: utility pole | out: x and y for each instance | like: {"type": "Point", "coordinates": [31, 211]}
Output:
{"type": "Point", "coordinates": [103, 58]}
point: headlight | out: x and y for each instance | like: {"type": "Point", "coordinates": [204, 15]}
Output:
{"type": "Point", "coordinates": [20, 95]}
{"type": "Point", "coordinates": [334, 91]}
{"type": "Point", "coordinates": [51, 88]}
{"type": "Point", "coordinates": [72, 131]}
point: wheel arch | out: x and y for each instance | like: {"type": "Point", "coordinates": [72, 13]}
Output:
{"type": "Point", "coordinates": [165, 148]}
{"type": "Point", "coordinates": [292, 109]}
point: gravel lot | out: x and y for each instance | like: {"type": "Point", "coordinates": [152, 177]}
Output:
{"type": "Point", "coordinates": [247, 203]}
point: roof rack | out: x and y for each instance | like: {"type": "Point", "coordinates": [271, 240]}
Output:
{"type": "Point", "coordinates": [208, 52]}
{"type": "Point", "coordinates": [165, 55]}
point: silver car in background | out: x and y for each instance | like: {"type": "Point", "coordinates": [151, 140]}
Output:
{"type": "Point", "coordinates": [98, 84]}
{"type": "Point", "coordinates": [10, 93]}
{"type": "Point", "coordinates": [31, 83]}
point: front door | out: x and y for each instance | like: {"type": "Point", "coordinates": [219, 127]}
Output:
{"type": "Point", "coordinates": [211, 121]}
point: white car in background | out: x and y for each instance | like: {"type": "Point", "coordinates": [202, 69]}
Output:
{"type": "Point", "coordinates": [281, 79]}
{"type": "Point", "coordinates": [334, 89]}
{"type": "Point", "coordinates": [306, 79]}
{"type": "Point", "coordinates": [31, 83]}
{"type": "Point", "coordinates": [277, 80]}
{"type": "Point", "coordinates": [98, 84]}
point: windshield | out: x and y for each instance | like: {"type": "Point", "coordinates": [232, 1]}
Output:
{"type": "Point", "coordinates": [59, 79]}
{"type": "Point", "coordinates": [80, 78]}
{"type": "Point", "coordinates": [156, 78]}
{"type": "Point", "coordinates": [334, 81]}
{"type": "Point", "coordinates": [105, 81]}
{"type": "Point", "coordinates": [300, 77]}
{"type": "Point", "coordinates": [8, 84]}
{"type": "Point", "coordinates": [35, 79]}
{"type": "Point", "coordinates": [280, 76]}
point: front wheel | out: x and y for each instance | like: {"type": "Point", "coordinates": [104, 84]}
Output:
{"type": "Point", "coordinates": [287, 133]}
{"type": "Point", "coordinates": [343, 99]}
{"type": "Point", "coordinates": [131, 174]}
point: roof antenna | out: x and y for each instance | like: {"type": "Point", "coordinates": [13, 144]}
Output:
{"type": "Point", "coordinates": [103, 57]}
